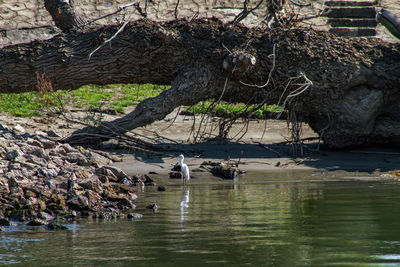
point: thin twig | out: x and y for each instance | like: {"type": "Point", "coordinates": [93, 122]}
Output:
{"type": "Point", "coordinates": [176, 9]}
{"type": "Point", "coordinates": [176, 116]}
{"type": "Point", "coordinates": [110, 39]}
{"type": "Point", "coordinates": [245, 12]}
{"type": "Point", "coordinates": [121, 8]}
{"type": "Point", "coordinates": [299, 4]}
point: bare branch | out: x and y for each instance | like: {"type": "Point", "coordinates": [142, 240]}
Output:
{"type": "Point", "coordinates": [121, 8]}
{"type": "Point", "coordinates": [299, 4]}
{"type": "Point", "coordinates": [245, 12]}
{"type": "Point", "coordinates": [176, 9]}
{"type": "Point", "coordinates": [109, 40]}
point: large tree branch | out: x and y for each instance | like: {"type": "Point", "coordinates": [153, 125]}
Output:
{"type": "Point", "coordinates": [355, 81]}
{"type": "Point", "coordinates": [64, 15]}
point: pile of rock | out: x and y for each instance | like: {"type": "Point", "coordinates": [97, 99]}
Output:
{"type": "Point", "coordinates": [42, 180]}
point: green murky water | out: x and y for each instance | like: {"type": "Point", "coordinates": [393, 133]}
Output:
{"type": "Point", "coordinates": [264, 221]}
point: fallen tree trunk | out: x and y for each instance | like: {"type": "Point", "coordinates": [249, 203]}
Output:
{"type": "Point", "coordinates": [346, 89]}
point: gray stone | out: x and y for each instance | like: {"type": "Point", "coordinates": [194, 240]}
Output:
{"type": "Point", "coordinates": [93, 198]}
{"type": "Point", "coordinates": [19, 129]}
{"type": "Point", "coordinates": [56, 226]}
{"type": "Point", "coordinates": [45, 216]}
{"type": "Point", "coordinates": [37, 222]}
{"type": "Point", "coordinates": [78, 158]}
{"type": "Point", "coordinates": [78, 203]}
{"type": "Point", "coordinates": [14, 154]}
{"type": "Point", "coordinates": [125, 203]}
{"type": "Point", "coordinates": [18, 215]}
{"type": "Point", "coordinates": [5, 222]}
{"type": "Point", "coordinates": [35, 143]}
{"type": "Point", "coordinates": [52, 133]}
{"type": "Point", "coordinates": [135, 216]}
{"type": "Point", "coordinates": [93, 183]}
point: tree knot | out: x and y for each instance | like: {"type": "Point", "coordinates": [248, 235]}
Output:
{"type": "Point", "coordinates": [238, 63]}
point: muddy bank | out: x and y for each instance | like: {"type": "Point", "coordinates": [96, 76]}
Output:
{"type": "Point", "coordinates": [262, 149]}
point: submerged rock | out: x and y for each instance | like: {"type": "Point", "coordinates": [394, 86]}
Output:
{"type": "Point", "coordinates": [37, 222]}
{"type": "Point", "coordinates": [153, 207]}
{"type": "Point", "coordinates": [5, 222]}
{"type": "Point", "coordinates": [56, 226]}
{"type": "Point", "coordinates": [134, 216]}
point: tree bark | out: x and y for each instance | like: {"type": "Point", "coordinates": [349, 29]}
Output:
{"type": "Point", "coordinates": [353, 100]}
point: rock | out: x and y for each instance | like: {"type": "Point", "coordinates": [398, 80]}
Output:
{"type": "Point", "coordinates": [125, 203]}
{"type": "Point", "coordinates": [37, 222]}
{"type": "Point", "coordinates": [47, 144]}
{"type": "Point", "coordinates": [13, 182]}
{"type": "Point", "coordinates": [147, 180]}
{"type": "Point", "coordinates": [56, 202]}
{"type": "Point", "coordinates": [45, 216]}
{"type": "Point", "coordinates": [93, 183]}
{"type": "Point", "coordinates": [40, 205]}
{"type": "Point", "coordinates": [175, 175]}
{"type": "Point", "coordinates": [78, 158]}
{"type": "Point", "coordinates": [5, 222]}
{"type": "Point", "coordinates": [153, 207]}
{"type": "Point", "coordinates": [29, 193]}
{"type": "Point", "coordinates": [106, 174]}
{"type": "Point", "coordinates": [176, 168]}
{"type": "Point", "coordinates": [225, 171]}
{"type": "Point", "coordinates": [133, 196]}
{"type": "Point", "coordinates": [35, 143]}
{"type": "Point", "coordinates": [36, 151]}
{"type": "Point", "coordinates": [113, 196]}
{"type": "Point", "coordinates": [117, 172]}
{"type": "Point", "coordinates": [134, 216]}
{"type": "Point", "coordinates": [198, 170]}
{"type": "Point", "coordinates": [161, 188]}
{"type": "Point", "coordinates": [99, 159]}
{"type": "Point", "coordinates": [2, 229]}
{"type": "Point", "coordinates": [18, 215]}
{"type": "Point", "coordinates": [19, 129]}
{"type": "Point", "coordinates": [78, 203]}
{"type": "Point", "coordinates": [127, 181]}
{"type": "Point", "coordinates": [52, 133]}
{"type": "Point", "coordinates": [119, 188]}
{"type": "Point", "coordinates": [56, 226]}
{"type": "Point", "coordinates": [93, 198]}
{"type": "Point", "coordinates": [14, 154]}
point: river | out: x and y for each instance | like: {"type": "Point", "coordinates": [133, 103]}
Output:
{"type": "Point", "coordinates": [286, 219]}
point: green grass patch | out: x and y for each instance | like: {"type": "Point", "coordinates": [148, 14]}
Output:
{"type": "Point", "coordinates": [229, 110]}
{"type": "Point", "coordinates": [115, 96]}
{"type": "Point", "coordinates": [94, 98]}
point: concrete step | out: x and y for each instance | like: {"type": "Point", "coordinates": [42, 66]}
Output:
{"type": "Point", "coordinates": [353, 32]}
{"type": "Point", "coordinates": [352, 23]}
{"type": "Point", "coordinates": [351, 12]}
{"type": "Point", "coordinates": [349, 3]}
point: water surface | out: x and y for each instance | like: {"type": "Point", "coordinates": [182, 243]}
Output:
{"type": "Point", "coordinates": [268, 220]}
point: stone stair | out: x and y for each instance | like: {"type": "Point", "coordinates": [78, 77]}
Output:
{"type": "Point", "coordinates": [351, 18]}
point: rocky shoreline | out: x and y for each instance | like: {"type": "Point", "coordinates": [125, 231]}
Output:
{"type": "Point", "coordinates": [44, 182]}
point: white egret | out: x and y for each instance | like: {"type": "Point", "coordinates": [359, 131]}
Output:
{"type": "Point", "coordinates": [184, 169]}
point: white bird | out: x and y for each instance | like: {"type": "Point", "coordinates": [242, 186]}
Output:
{"type": "Point", "coordinates": [184, 169]}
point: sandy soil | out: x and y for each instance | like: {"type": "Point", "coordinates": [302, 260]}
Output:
{"type": "Point", "coordinates": [256, 152]}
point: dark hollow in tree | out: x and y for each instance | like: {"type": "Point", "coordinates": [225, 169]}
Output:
{"type": "Point", "coordinates": [347, 89]}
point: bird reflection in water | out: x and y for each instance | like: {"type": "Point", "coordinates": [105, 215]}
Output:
{"type": "Point", "coordinates": [184, 205]}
